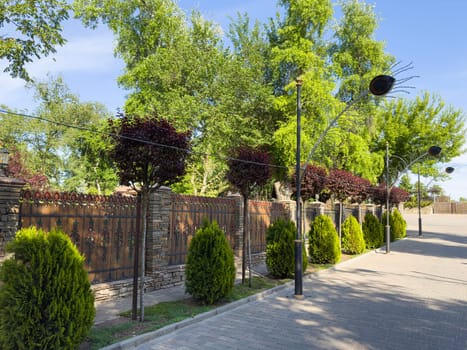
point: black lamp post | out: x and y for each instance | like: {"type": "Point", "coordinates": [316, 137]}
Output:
{"type": "Point", "coordinates": [298, 241]}
{"type": "Point", "coordinates": [432, 151]}
{"type": "Point", "coordinates": [4, 156]}
{"type": "Point", "coordinates": [379, 86]}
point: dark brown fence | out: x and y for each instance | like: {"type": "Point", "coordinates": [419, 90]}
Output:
{"type": "Point", "coordinates": [102, 227]}
{"type": "Point", "coordinates": [186, 217]}
{"type": "Point", "coordinates": [263, 214]}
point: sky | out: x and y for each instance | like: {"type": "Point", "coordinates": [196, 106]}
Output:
{"type": "Point", "coordinates": [430, 34]}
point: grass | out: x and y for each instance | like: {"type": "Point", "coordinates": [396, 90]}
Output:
{"type": "Point", "coordinates": [166, 313]}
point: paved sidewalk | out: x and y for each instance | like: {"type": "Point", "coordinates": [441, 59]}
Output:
{"type": "Point", "coordinates": [413, 298]}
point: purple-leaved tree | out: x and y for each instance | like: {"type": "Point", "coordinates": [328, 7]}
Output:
{"type": "Point", "coordinates": [149, 153]}
{"type": "Point", "coordinates": [248, 168]}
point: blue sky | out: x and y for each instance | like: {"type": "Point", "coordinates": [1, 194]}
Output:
{"type": "Point", "coordinates": [429, 33]}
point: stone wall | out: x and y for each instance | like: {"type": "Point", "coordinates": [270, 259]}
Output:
{"type": "Point", "coordinates": [9, 210]}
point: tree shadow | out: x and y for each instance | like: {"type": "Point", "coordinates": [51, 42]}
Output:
{"type": "Point", "coordinates": [341, 313]}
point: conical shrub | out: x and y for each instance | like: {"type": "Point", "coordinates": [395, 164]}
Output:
{"type": "Point", "coordinates": [280, 249]}
{"type": "Point", "coordinates": [373, 231]}
{"type": "Point", "coordinates": [323, 241]}
{"type": "Point", "coordinates": [46, 301]}
{"type": "Point", "coordinates": [210, 267]}
{"type": "Point", "coordinates": [398, 225]}
{"type": "Point", "coordinates": [352, 236]}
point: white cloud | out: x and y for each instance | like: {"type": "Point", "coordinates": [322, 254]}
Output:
{"type": "Point", "coordinates": [86, 54]}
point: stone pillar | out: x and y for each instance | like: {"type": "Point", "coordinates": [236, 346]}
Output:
{"type": "Point", "coordinates": [9, 210]}
{"type": "Point", "coordinates": [238, 232]}
{"type": "Point", "coordinates": [158, 231]}
{"type": "Point", "coordinates": [311, 211]}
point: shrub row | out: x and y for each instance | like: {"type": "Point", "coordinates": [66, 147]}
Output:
{"type": "Point", "coordinates": [323, 241]}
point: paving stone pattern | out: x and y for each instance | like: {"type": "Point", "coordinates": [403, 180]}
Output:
{"type": "Point", "coordinates": [413, 298]}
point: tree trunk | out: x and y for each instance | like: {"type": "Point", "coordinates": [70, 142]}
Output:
{"type": "Point", "coordinates": [244, 235]}
{"type": "Point", "coordinates": [144, 214]}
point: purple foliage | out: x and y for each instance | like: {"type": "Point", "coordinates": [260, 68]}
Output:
{"type": "Point", "coordinates": [149, 151]}
{"type": "Point", "coordinates": [253, 169]}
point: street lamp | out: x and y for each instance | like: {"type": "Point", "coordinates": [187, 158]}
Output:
{"type": "Point", "coordinates": [4, 156]}
{"type": "Point", "coordinates": [379, 86]}
{"type": "Point", "coordinates": [432, 151]}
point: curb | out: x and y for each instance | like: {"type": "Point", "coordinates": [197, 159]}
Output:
{"type": "Point", "coordinates": [132, 343]}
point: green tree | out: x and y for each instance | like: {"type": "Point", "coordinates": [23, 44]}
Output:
{"type": "Point", "coordinates": [225, 100]}
{"type": "Point", "coordinates": [411, 127]}
{"type": "Point", "coordinates": [345, 65]}
{"type": "Point", "coordinates": [63, 141]}
{"type": "Point", "coordinates": [34, 30]}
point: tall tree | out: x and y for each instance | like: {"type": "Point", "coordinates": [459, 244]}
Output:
{"type": "Point", "coordinates": [55, 143]}
{"type": "Point", "coordinates": [345, 65]}
{"type": "Point", "coordinates": [149, 153]}
{"type": "Point", "coordinates": [35, 28]}
{"type": "Point", "coordinates": [248, 169]}
{"type": "Point", "coordinates": [411, 127]}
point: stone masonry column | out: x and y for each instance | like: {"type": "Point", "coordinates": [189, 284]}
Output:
{"type": "Point", "coordinates": [9, 210]}
{"type": "Point", "coordinates": [158, 231]}
{"type": "Point", "coordinates": [238, 230]}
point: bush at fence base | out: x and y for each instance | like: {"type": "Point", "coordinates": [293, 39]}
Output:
{"type": "Point", "coordinates": [210, 267]}
{"type": "Point", "coordinates": [46, 301]}
{"type": "Point", "coordinates": [397, 224]}
{"type": "Point", "coordinates": [372, 231]}
{"type": "Point", "coordinates": [280, 249]}
{"type": "Point", "coordinates": [352, 236]}
{"type": "Point", "coordinates": [323, 242]}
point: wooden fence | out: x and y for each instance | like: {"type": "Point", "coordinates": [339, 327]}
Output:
{"type": "Point", "coordinates": [187, 214]}
{"type": "Point", "coordinates": [102, 227]}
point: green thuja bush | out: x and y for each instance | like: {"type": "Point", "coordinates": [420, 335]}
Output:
{"type": "Point", "coordinates": [46, 301]}
{"type": "Point", "coordinates": [398, 225]}
{"type": "Point", "coordinates": [323, 242]}
{"type": "Point", "coordinates": [352, 236]}
{"type": "Point", "coordinates": [373, 231]}
{"type": "Point", "coordinates": [280, 249]}
{"type": "Point", "coordinates": [210, 267]}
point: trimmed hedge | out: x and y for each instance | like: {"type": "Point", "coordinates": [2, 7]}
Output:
{"type": "Point", "coordinates": [280, 249]}
{"type": "Point", "coordinates": [352, 236]}
{"type": "Point", "coordinates": [323, 241]}
{"type": "Point", "coordinates": [373, 231]}
{"type": "Point", "coordinates": [210, 267]}
{"type": "Point", "coordinates": [46, 301]}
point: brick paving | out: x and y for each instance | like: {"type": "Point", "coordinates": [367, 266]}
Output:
{"type": "Point", "coordinates": [413, 298]}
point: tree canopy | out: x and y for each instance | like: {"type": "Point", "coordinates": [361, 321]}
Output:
{"type": "Point", "coordinates": [36, 30]}
{"type": "Point", "coordinates": [229, 90]}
